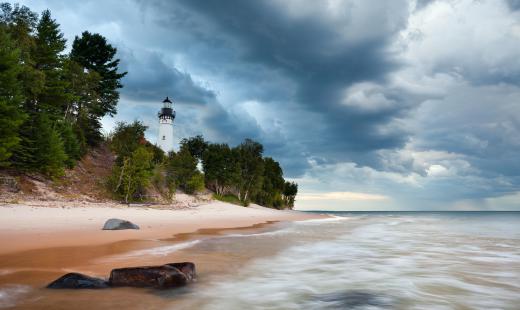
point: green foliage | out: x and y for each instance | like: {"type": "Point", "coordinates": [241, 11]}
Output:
{"type": "Point", "coordinates": [270, 194]}
{"type": "Point", "coordinates": [41, 148]}
{"type": "Point", "coordinates": [195, 145]}
{"type": "Point", "coordinates": [130, 179]}
{"type": "Point", "coordinates": [51, 103]}
{"type": "Point", "coordinates": [221, 168]}
{"type": "Point", "coordinates": [71, 144]}
{"type": "Point", "coordinates": [289, 193]}
{"type": "Point", "coordinates": [11, 114]}
{"type": "Point", "coordinates": [181, 167]}
{"type": "Point", "coordinates": [48, 59]}
{"type": "Point", "coordinates": [161, 184]}
{"type": "Point", "coordinates": [158, 153]}
{"type": "Point", "coordinates": [126, 138]}
{"type": "Point", "coordinates": [195, 183]}
{"type": "Point", "coordinates": [93, 52]}
{"type": "Point", "coordinates": [229, 198]}
{"type": "Point", "coordinates": [251, 167]}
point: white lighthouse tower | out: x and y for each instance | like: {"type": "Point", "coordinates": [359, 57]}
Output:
{"type": "Point", "coordinates": [166, 117]}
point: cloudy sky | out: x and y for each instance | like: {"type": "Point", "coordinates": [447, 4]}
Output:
{"type": "Point", "coordinates": [402, 104]}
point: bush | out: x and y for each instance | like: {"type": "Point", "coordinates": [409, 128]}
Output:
{"type": "Point", "coordinates": [129, 180]}
{"type": "Point", "coordinates": [228, 198]}
{"type": "Point", "coordinates": [195, 183]}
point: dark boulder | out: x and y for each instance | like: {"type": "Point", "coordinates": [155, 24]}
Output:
{"type": "Point", "coordinates": [78, 281]}
{"type": "Point", "coordinates": [117, 224]}
{"type": "Point", "coordinates": [187, 268]}
{"type": "Point", "coordinates": [166, 276]}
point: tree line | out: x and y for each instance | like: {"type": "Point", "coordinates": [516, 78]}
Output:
{"type": "Point", "coordinates": [240, 172]}
{"type": "Point", "coordinates": [51, 102]}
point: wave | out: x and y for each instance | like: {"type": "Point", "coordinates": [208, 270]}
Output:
{"type": "Point", "coordinates": [156, 251]}
{"type": "Point", "coordinates": [10, 294]}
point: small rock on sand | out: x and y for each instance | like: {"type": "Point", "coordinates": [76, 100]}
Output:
{"type": "Point", "coordinates": [117, 224]}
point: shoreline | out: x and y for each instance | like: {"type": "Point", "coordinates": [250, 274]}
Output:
{"type": "Point", "coordinates": [41, 243]}
{"type": "Point", "coordinates": [38, 225]}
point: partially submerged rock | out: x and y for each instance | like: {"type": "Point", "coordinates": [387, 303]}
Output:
{"type": "Point", "coordinates": [78, 281]}
{"type": "Point", "coordinates": [187, 268]}
{"type": "Point", "coordinates": [166, 276]}
{"type": "Point", "coordinates": [118, 224]}
{"type": "Point", "coordinates": [162, 277]}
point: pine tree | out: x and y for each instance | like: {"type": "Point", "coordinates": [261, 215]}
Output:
{"type": "Point", "coordinates": [50, 152]}
{"type": "Point", "coordinates": [48, 58]}
{"type": "Point", "coordinates": [11, 114]}
{"type": "Point", "coordinates": [71, 144]}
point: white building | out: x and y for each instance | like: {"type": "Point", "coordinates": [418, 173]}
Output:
{"type": "Point", "coordinates": [166, 117]}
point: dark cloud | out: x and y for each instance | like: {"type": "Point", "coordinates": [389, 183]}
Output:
{"type": "Point", "coordinates": [337, 93]}
{"type": "Point", "coordinates": [149, 78]}
{"type": "Point", "coordinates": [318, 60]}
{"type": "Point", "coordinates": [513, 4]}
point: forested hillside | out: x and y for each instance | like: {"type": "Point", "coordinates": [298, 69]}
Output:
{"type": "Point", "coordinates": [51, 104]}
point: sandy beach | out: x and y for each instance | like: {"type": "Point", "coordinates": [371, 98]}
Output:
{"type": "Point", "coordinates": [41, 240]}
{"type": "Point", "coordinates": [36, 225]}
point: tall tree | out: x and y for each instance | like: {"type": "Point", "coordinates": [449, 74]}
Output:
{"type": "Point", "coordinates": [221, 169]}
{"type": "Point", "coordinates": [195, 145]}
{"type": "Point", "coordinates": [181, 167]}
{"type": "Point", "coordinates": [289, 193]}
{"type": "Point", "coordinates": [94, 53]}
{"type": "Point", "coordinates": [48, 59]}
{"type": "Point", "coordinates": [270, 194]}
{"type": "Point", "coordinates": [11, 114]}
{"type": "Point", "coordinates": [251, 165]}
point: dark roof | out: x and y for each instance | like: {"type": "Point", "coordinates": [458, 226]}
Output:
{"type": "Point", "coordinates": [167, 100]}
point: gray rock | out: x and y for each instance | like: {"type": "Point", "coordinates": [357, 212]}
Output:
{"type": "Point", "coordinates": [117, 224]}
{"type": "Point", "coordinates": [166, 276]}
{"type": "Point", "coordinates": [78, 281]}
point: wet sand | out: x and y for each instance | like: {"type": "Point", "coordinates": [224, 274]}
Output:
{"type": "Point", "coordinates": [33, 256]}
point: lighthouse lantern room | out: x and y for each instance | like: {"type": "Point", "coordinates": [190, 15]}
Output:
{"type": "Point", "coordinates": [166, 117]}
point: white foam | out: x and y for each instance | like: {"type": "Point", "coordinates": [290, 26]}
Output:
{"type": "Point", "coordinates": [164, 250]}
{"type": "Point", "coordinates": [332, 218]}
{"type": "Point", "coordinates": [10, 294]}
{"type": "Point", "coordinates": [268, 233]}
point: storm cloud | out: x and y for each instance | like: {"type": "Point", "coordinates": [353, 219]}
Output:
{"type": "Point", "coordinates": [416, 101]}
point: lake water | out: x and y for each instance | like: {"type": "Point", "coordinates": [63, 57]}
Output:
{"type": "Point", "coordinates": [394, 260]}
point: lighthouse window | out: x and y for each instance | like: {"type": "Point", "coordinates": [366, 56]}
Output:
{"type": "Point", "coordinates": [164, 137]}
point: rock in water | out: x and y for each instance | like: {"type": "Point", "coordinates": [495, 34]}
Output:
{"type": "Point", "coordinates": [78, 280]}
{"type": "Point", "coordinates": [117, 224]}
{"type": "Point", "coordinates": [166, 276]}
{"type": "Point", "coordinates": [187, 268]}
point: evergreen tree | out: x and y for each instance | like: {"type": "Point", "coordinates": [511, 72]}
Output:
{"type": "Point", "coordinates": [41, 148]}
{"type": "Point", "coordinates": [94, 53]}
{"type": "Point", "coordinates": [71, 144]}
{"type": "Point", "coordinates": [48, 59]}
{"type": "Point", "coordinates": [11, 114]}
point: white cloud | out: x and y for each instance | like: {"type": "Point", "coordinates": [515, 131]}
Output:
{"type": "Point", "coordinates": [342, 196]}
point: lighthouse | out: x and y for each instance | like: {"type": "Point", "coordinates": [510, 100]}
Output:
{"type": "Point", "coordinates": [166, 117]}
